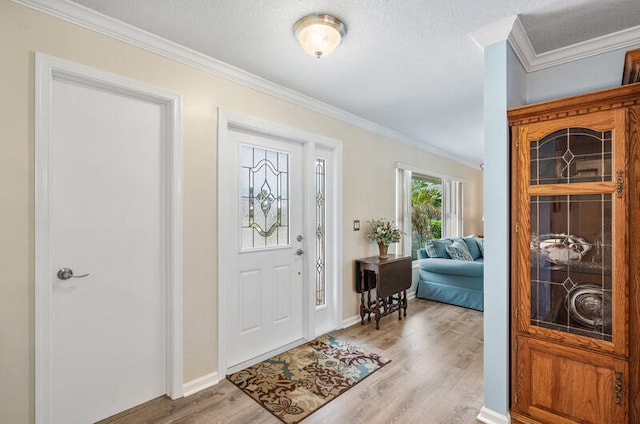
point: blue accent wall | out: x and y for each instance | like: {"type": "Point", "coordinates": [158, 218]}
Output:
{"type": "Point", "coordinates": [577, 77]}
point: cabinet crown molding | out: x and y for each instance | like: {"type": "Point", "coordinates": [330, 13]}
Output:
{"type": "Point", "coordinates": [608, 99]}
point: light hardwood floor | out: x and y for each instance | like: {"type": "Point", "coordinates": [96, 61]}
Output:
{"type": "Point", "coordinates": [435, 377]}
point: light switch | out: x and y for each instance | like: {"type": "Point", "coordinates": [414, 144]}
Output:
{"type": "Point", "coordinates": [356, 225]}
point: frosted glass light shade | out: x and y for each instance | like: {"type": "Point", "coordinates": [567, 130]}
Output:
{"type": "Point", "coordinates": [319, 35]}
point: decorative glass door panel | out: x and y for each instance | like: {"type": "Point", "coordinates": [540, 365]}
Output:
{"type": "Point", "coordinates": [574, 204]}
{"type": "Point", "coordinates": [571, 155]}
{"type": "Point", "coordinates": [264, 186]}
{"type": "Point", "coordinates": [320, 232]}
{"type": "Point", "coordinates": [571, 255]}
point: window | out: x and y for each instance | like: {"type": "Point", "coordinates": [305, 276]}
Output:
{"type": "Point", "coordinates": [321, 299]}
{"type": "Point", "coordinates": [264, 184]}
{"type": "Point", "coordinates": [429, 207]}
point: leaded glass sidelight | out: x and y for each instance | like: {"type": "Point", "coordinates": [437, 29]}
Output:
{"type": "Point", "coordinates": [264, 187]}
{"type": "Point", "coordinates": [571, 155]}
{"type": "Point", "coordinates": [571, 264]}
{"type": "Point", "coordinates": [320, 232]}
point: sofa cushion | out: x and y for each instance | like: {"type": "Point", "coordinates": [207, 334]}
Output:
{"type": "Point", "coordinates": [437, 248]}
{"type": "Point", "coordinates": [480, 242]}
{"type": "Point", "coordinates": [472, 246]}
{"type": "Point", "coordinates": [451, 267]}
{"type": "Point", "coordinates": [458, 250]}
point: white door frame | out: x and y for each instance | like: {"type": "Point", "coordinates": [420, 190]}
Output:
{"type": "Point", "coordinates": [229, 120]}
{"type": "Point", "coordinates": [47, 69]}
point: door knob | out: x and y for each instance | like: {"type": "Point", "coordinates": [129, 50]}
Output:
{"type": "Point", "coordinates": [299, 252]}
{"type": "Point", "coordinates": [66, 273]}
{"type": "Point", "coordinates": [299, 238]}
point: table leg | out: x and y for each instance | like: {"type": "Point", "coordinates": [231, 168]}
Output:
{"type": "Point", "coordinates": [377, 311]}
{"type": "Point", "coordinates": [404, 302]}
{"type": "Point", "coordinates": [385, 307]}
{"type": "Point", "coordinates": [369, 305]}
{"type": "Point", "coordinates": [361, 295]}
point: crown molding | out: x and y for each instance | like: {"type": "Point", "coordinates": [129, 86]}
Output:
{"type": "Point", "coordinates": [581, 104]}
{"type": "Point", "coordinates": [95, 21]}
{"type": "Point", "coordinates": [512, 30]}
{"type": "Point", "coordinates": [533, 61]}
{"type": "Point", "coordinates": [519, 41]}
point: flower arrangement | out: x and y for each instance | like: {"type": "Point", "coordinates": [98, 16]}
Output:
{"type": "Point", "coordinates": [384, 232]}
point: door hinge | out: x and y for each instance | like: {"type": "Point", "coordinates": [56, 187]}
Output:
{"type": "Point", "coordinates": [517, 398]}
{"type": "Point", "coordinates": [517, 227]}
{"type": "Point", "coordinates": [516, 313]}
{"type": "Point", "coordinates": [517, 143]}
{"type": "Point", "coordinates": [516, 344]}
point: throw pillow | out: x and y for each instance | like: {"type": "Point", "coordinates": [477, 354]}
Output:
{"type": "Point", "coordinates": [472, 246]}
{"type": "Point", "coordinates": [480, 243]}
{"type": "Point", "coordinates": [458, 250]}
{"type": "Point", "coordinates": [437, 248]}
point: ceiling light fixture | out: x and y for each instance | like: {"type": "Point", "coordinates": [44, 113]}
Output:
{"type": "Point", "coordinates": [319, 34]}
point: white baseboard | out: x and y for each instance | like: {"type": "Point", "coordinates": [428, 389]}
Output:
{"type": "Point", "coordinates": [488, 416]}
{"type": "Point", "coordinates": [200, 383]}
{"type": "Point", "coordinates": [350, 321]}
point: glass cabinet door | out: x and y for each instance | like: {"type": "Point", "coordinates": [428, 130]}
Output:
{"type": "Point", "coordinates": [576, 226]}
{"type": "Point", "coordinates": [571, 254]}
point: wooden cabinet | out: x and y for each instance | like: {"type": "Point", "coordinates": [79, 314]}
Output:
{"type": "Point", "coordinates": [561, 384]}
{"type": "Point", "coordinates": [575, 285]}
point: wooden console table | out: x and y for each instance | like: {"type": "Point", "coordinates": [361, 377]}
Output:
{"type": "Point", "coordinates": [391, 278]}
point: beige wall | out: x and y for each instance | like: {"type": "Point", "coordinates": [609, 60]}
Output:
{"type": "Point", "coordinates": [369, 183]}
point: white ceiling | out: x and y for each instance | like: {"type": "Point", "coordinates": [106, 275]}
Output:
{"type": "Point", "coordinates": [409, 66]}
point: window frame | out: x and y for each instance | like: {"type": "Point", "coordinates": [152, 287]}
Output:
{"type": "Point", "coordinates": [452, 212]}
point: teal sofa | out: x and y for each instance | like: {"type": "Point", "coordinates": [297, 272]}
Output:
{"type": "Point", "coordinates": [455, 281]}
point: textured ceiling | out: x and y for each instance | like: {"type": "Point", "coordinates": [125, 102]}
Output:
{"type": "Point", "coordinates": [573, 21]}
{"type": "Point", "coordinates": [409, 66]}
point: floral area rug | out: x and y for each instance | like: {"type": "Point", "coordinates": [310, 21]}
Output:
{"type": "Point", "coordinates": [296, 383]}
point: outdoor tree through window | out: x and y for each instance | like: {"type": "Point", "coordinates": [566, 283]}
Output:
{"type": "Point", "coordinates": [426, 210]}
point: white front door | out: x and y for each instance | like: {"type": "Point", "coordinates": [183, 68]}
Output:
{"type": "Point", "coordinates": [279, 283]}
{"type": "Point", "coordinates": [265, 297]}
{"type": "Point", "coordinates": [105, 277]}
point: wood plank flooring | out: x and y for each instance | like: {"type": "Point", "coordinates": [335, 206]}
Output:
{"type": "Point", "coordinates": [435, 377]}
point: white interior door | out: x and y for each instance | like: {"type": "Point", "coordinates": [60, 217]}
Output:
{"type": "Point", "coordinates": [106, 220]}
{"type": "Point", "coordinates": [265, 297]}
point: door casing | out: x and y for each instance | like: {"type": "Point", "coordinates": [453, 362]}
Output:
{"type": "Point", "coordinates": [48, 68]}
{"type": "Point", "coordinates": [229, 120]}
